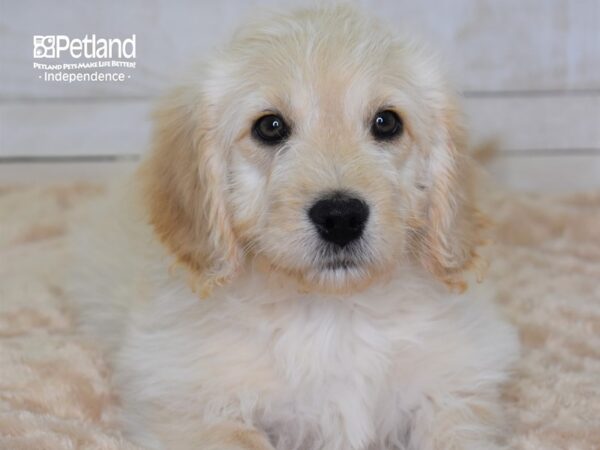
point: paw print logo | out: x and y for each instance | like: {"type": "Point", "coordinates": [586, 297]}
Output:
{"type": "Point", "coordinates": [44, 46]}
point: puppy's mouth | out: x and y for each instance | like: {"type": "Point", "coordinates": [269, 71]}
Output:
{"type": "Point", "coordinates": [342, 270]}
{"type": "Point", "coordinates": [341, 264]}
{"type": "Point", "coordinates": [332, 258]}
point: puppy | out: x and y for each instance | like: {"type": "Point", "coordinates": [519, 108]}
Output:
{"type": "Point", "coordinates": [287, 270]}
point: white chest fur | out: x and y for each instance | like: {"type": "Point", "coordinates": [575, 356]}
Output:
{"type": "Point", "coordinates": [312, 372]}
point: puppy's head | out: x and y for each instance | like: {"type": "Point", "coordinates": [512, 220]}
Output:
{"type": "Point", "coordinates": [319, 143]}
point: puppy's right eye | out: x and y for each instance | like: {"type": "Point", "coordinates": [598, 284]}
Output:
{"type": "Point", "coordinates": [271, 130]}
{"type": "Point", "coordinates": [386, 125]}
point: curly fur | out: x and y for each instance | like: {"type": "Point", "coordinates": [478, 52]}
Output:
{"type": "Point", "coordinates": [283, 353]}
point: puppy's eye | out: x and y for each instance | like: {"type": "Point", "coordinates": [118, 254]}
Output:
{"type": "Point", "coordinates": [386, 125]}
{"type": "Point", "coordinates": [270, 129]}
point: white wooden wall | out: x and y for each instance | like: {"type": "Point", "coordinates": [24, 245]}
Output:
{"type": "Point", "coordinates": [529, 71]}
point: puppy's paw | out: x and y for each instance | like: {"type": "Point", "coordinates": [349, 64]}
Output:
{"type": "Point", "coordinates": [250, 440]}
{"type": "Point", "coordinates": [473, 423]}
{"type": "Point", "coordinates": [483, 445]}
{"type": "Point", "coordinates": [233, 436]}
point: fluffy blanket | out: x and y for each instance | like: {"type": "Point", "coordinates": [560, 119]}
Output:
{"type": "Point", "coordinates": [54, 385]}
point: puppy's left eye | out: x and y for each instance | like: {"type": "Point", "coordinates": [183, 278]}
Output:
{"type": "Point", "coordinates": [386, 125]}
{"type": "Point", "coordinates": [270, 129]}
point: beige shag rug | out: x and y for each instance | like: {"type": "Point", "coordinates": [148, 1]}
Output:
{"type": "Point", "coordinates": [54, 386]}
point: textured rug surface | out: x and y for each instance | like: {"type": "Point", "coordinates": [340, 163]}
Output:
{"type": "Point", "coordinates": [54, 386]}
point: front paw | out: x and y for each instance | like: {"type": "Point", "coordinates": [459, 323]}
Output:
{"type": "Point", "coordinates": [471, 424]}
{"type": "Point", "coordinates": [235, 437]}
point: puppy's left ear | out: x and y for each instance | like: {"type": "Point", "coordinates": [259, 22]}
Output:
{"type": "Point", "coordinates": [452, 224]}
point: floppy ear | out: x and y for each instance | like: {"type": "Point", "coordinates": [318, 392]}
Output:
{"type": "Point", "coordinates": [184, 186]}
{"type": "Point", "coordinates": [452, 223]}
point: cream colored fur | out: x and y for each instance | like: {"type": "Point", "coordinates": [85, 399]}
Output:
{"type": "Point", "coordinates": [282, 353]}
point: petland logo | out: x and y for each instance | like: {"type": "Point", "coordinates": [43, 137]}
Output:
{"type": "Point", "coordinates": [55, 46]}
{"type": "Point", "coordinates": [96, 59]}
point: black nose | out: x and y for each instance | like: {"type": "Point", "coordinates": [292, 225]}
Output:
{"type": "Point", "coordinates": [339, 218]}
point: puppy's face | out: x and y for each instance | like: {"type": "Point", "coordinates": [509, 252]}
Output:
{"type": "Point", "coordinates": [316, 143]}
{"type": "Point", "coordinates": [324, 174]}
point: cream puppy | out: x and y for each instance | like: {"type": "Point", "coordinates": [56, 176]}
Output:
{"type": "Point", "coordinates": [286, 271]}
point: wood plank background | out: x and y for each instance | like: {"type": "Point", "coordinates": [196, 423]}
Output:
{"type": "Point", "coordinates": [529, 71]}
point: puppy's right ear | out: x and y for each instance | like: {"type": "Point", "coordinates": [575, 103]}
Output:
{"type": "Point", "coordinates": [184, 185]}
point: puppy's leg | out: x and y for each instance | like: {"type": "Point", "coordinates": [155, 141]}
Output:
{"type": "Point", "coordinates": [460, 421]}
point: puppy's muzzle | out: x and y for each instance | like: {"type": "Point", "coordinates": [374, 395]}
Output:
{"type": "Point", "coordinates": [339, 218]}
